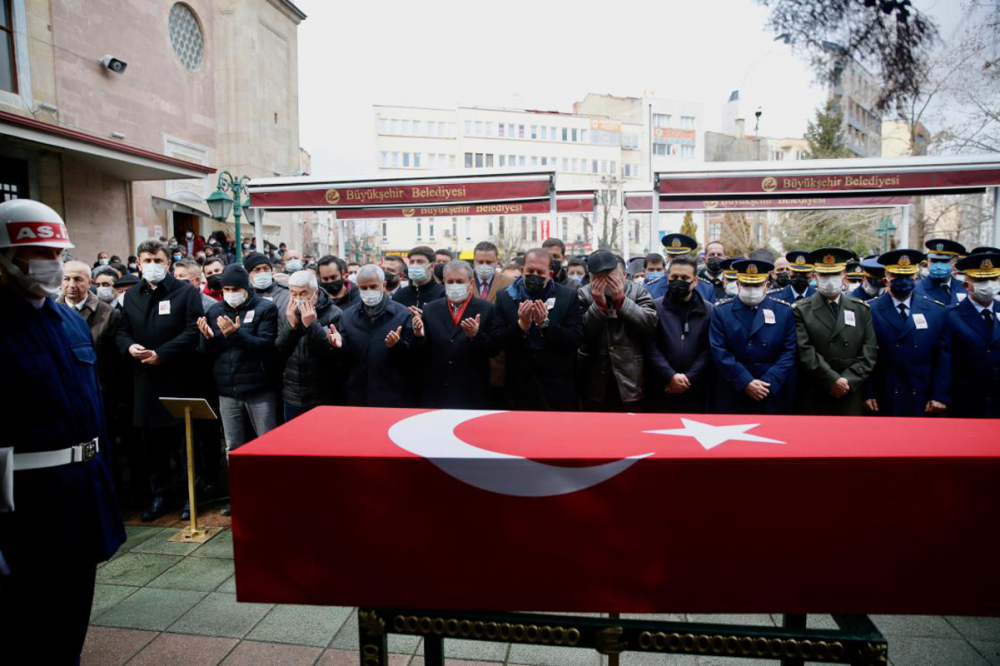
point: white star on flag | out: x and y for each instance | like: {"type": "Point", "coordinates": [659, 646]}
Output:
{"type": "Point", "coordinates": [711, 436]}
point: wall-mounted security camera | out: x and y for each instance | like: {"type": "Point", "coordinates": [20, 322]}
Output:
{"type": "Point", "coordinates": [114, 64]}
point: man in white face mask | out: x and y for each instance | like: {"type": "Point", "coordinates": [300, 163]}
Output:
{"type": "Point", "coordinates": [99, 315]}
{"type": "Point", "coordinates": [975, 338]}
{"type": "Point", "coordinates": [837, 343]}
{"type": "Point", "coordinates": [871, 284]}
{"type": "Point", "coordinates": [58, 514]}
{"type": "Point", "coordinates": [752, 338]}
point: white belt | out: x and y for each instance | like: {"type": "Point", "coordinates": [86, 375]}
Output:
{"type": "Point", "coordinates": [80, 453]}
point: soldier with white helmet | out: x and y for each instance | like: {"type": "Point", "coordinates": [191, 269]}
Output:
{"type": "Point", "coordinates": [58, 514]}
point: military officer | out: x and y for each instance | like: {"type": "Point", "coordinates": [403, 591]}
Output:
{"type": "Point", "coordinates": [912, 376]}
{"type": "Point", "coordinates": [871, 285]}
{"type": "Point", "coordinates": [58, 513]}
{"type": "Point", "coordinates": [679, 245]}
{"type": "Point", "coordinates": [975, 339]}
{"type": "Point", "coordinates": [836, 338]}
{"type": "Point", "coordinates": [855, 275]}
{"type": "Point", "coordinates": [752, 339]}
{"type": "Point", "coordinates": [729, 284]}
{"type": "Point", "coordinates": [801, 271]}
{"type": "Point", "coordinates": [940, 283]}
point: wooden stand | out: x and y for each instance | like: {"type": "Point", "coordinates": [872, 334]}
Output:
{"type": "Point", "coordinates": [188, 409]}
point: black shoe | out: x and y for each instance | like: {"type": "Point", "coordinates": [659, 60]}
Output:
{"type": "Point", "coordinates": [155, 510]}
{"type": "Point", "coordinates": [186, 511]}
{"type": "Point", "coordinates": [226, 510]}
{"type": "Point", "coordinates": [209, 492]}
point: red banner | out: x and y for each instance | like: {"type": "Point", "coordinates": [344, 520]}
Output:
{"type": "Point", "coordinates": [481, 510]}
{"type": "Point", "coordinates": [642, 203]}
{"type": "Point", "coordinates": [563, 205]}
{"type": "Point", "coordinates": [431, 194]}
{"type": "Point", "coordinates": [860, 181]}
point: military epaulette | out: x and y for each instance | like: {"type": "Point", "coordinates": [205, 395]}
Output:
{"type": "Point", "coordinates": [935, 301]}
{"type": "Point", "coordinates": [861, 302]}
{"type": "Point", "coordinates": [775, 291]}
{"type": "Point", "coordinates": [785, 303]}
{"type": "Point", "coordinates": [722, 301]}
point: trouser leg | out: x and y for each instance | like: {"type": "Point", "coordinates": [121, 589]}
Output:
{"type": "Point", "coordinates": [263, 411]}
{"type": "Point", "coordinates": [162, 445]}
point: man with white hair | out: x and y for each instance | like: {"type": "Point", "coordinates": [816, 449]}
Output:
{"type": "Point", "coordinates": [100, 317]}
{"type": "Point", "coordinates": [376, 338]}
{"type": "Point", "coordinates": [304, 349]}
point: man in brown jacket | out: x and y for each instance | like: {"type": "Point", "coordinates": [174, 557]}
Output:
{"type": "Point", "coordinates": [100, 316]}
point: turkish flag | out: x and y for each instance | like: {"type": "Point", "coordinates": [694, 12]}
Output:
{"type": "Point", "coordinates": [482, 510]}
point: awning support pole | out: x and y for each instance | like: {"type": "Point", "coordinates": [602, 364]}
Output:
{"type": "Point", "coordinates": [995, 239]}
{"type": "Point", "coordinates": [904, 234]}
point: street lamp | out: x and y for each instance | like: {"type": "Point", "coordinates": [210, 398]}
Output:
{"type": "Point", "coordinates": [221, 204]}
{"type": "Point", "coordinates": [884, 230]}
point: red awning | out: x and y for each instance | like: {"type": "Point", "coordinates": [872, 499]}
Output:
{"type": "Point", "coordinates": [308, 193]}
{"type": "Point", "coordinates": [642, 202]}
{"type": "Point", "coordinates": [566, 202]}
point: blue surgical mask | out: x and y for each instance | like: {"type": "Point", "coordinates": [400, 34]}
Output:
{"type": "Point", "coordinates": [653, 276]}
{"type": "Point", "coordinates": [178, 257]}
{"type": "Point", "coordinates": [575, 278]}
{"type": "Point", "coordinates": [812, 283]}
{"type": "Point", "coordinates": [939, 270]}
{"type": "Point", "coordinates": [902, 287]}
{"type": "Point", "coordinates": [418, 272]}
{"type": "Point", "coordinates": [293, 265]}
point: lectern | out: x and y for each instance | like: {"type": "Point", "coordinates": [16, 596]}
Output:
{"type": "Point", "coordinates": [189, 409]}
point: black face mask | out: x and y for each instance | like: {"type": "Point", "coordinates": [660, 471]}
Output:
{"type": "Point", "coordinates": [800, 282]}
{"type": "Point", "coordinates": [534, 284]}
{"type": "Point", "coordinates": [391, 280]}
{"type": "Point", "coordinates": [333, 288]}
{"type": "Point", "coordinates": [782, 279]}
{"type": "Point", "coordinates": [678, 289]}
{"type": "Point", "coordinates": [439, 272]}
{"type": "Point", "coordinates": [712, 263]}
{"type": "Point", "coordinates": [558, 272]}
{"type": "Point", "coordinates": [215, 283]}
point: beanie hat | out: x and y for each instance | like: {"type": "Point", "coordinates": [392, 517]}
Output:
{"type": "Point", "coordinates": [235, 275]}
{"type": "Point", "coordinates": [256, 259]}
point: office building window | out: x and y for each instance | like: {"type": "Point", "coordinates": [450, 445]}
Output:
{"type": "Point", "coordinates": [385, 232]}
{"type": "Point", "coordinates": [544, 133]}
{"type": "Point", "coordinates": [383, 125]}
{"type": "Point", "coordinates": [468, 160]}
{"type": "Point", "coordinates": [553, 135]}
{"type": "Point", "coordinates": [479, 128]}
{"type": "Point", "coordinates": [520, 131]}
{"type": "Point", "coordinates": [501, 224]}
{"type": "Point", "coordinates": [583, 136]}
{"type": "Point", "coordinates": [500, 129]}
{"type": "Point", "coordinates": [659, 149]}
{"type": "Point", "coordinates": [534, 228]}
{"type": "Point", "coordinates": [416, 160]}
{"type": "Point", "coordinates": [406, 159]}
{"type": "Point", "coordinates": [565, 134]}
{"type": "Point", "coordinates": [430, 231]}
{"type": "Point", "coordinates": [565, 228]}
{"type": "Point", "coordinates": [394, 126]}
{"type": "Point", "coordinates": [489, 129]}
{"type": "Point", "coordinates": [468, 229]}
{"type": "Point", "coordinates": [510, 130]}
{"type": "Point", "coordinates": [524, 227]}
{"type": "Point", "coordinates": [383, 159]}
{"type": "Point", "coordinates": [565, 164]}
{"type": "Point", "coordinates": [418, 127]}
{"type": "Point", "coordinates": [520, 160]}
{"type": "Point", "coordinates": [687, 122]}
{"type": "Point", "coordinates": [443, 129]}
{"type": "Point", "coordinates": [407, 127]}
{"type": "Point", "coordinates": [534, 161]}
{"type": "Point", "coordinates": [661, 120]}
{"type": "Point", "coordinates": [468, 128]}
{"type": "Point", "coordinates": [503, 159]}
{"type": "Point", "coordinates": [534, 131]}
{"type": "Point", "coordinates": [511, 160]}
{"type": "Point", "coordinates": [593, 166]}
{"type": "Point", "coordinates": [545, 161]}
{"type": "Point", "coordinates": [614, 168]}
{"type": "Point", "coordinates": [395, 159]}
{"type": "Point", "coordinates": [489, 227]}
{"type": "Point", "coordinates": [420, 235]}
{"type": "Point", "coordinates": [479, 160]}
{"type": "Point", "coordinates": [574, 134]}
{"type": "Point", "coordinates": [489, 159]}
{"type": "Point", "coordinates": [604, 166]}
{"type": "Point", "coordinates": [687, 151]}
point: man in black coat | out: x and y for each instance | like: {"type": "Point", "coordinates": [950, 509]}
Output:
{"type": "Point", "coordinates": [423, 288]}
{"type": "Point", "coordinates": [540, 326]}
{"type": "Point", "coordinates": [375, 338]}
{"type": "Point", "coordinates": [158, 335]}
{"type": "Point", "coordinates": [453, 342]}
{"type": "Point", "coordinates": [332, 274]}
{"type": "Point", "coordinates": [679, 356]}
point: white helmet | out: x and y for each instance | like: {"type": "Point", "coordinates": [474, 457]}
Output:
{"type": "Point", "coordinates": [26, 223]}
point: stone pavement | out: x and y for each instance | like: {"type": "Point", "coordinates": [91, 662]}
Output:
{"type": "Point", "coordinates": [162, 603]}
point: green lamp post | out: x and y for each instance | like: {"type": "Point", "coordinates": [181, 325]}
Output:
{"type": "Point", "coordinates": [885, 230]}
{"type": "Point", "coordinates": [220, 203]}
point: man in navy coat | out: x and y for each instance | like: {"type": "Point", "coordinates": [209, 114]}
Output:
{"type": "Point", "coordinates": [680, 245]}
{"type": "Point", "coordinates": [940, 283]}
{"type": "Point", "coordinates": [912, 376]}
{"type": "Point", "coordinates": [975, 339]}
{"type": "Point", "coordinates": [802, 272]}
{"type": "Point", "coordinates": [872, 285]}
{"type": "Point", "coordinates": [752, 338]}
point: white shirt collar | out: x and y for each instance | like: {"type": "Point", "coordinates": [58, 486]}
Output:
{"type": "Point", "coordinates": [907, 302]}
{"type": "Point", "coordinates": [980, 308]}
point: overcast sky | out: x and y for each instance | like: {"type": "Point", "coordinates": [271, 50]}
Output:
{"type": "Point", "coordinates": [543, 55]}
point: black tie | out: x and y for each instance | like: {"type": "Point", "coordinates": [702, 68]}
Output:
{"type": "Point", "coordinates": [988, 317]}
{"type": "Point", "coordinates": [902, 310]}
{"type": "Point", "coordinates": [947, 290]}
{"type": "Point", "coordinates": [834, 310]}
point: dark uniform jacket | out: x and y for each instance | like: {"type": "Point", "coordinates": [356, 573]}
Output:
{"type": "Point", "coordinates": [746, 346]}
{"type": "Point", "coordinates": [914, 364]}
{"type": "Point", "coordinates": [420, 296]}
{"type": "Point", "coordinates": [541, 362]}
{"type": "Point", "coordinates": [164, 320]}
{"type": "Point", "coordinates": [935, 290]}
{"type": "Point", "coordinates": [613, 344]}
{"type": "Point", "coordinates": [680, 345]}
{"type": "Point", "coordinates": [788, 295]}
{"type": "Point", "coordinates": [458, 369]}
{"type": "Point", "coordinates": [64, 517]}
{"type": "Point", "coordinates": [975, 362]}
{"type": "Point", "coordinates": [831, 348]}
{"type": "Point", "coordinates": [860, 293]}
{"type": "Point", "coordinates": [307, 359]}
{"type": "Point", "coordinates": [243, 363]}
{"type": "Point", "coordinates": [376, 375]}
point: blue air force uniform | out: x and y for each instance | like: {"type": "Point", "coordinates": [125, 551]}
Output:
{"type": "Point", "coordinates": [944, 292]}
{"type": "Point", "coordinates": [788, 295]}
{"type": "Point", "coordinates": [942, 251]}
{"type": "Point", "coordinates": [975, 343]}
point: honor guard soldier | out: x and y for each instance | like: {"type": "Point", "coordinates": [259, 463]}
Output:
{"type": "Point", "coordinates": [975, 339]}
{"type": "Point", "coordinates": [940, 283]}
{"type": "Point", "coordinates": [728, 279]}
{"type": "Point", "coordinates": [836, 338]}
{"type": "Point", "coordinates": [871, 284]}
{"type": "Point", "coordinates": [58, 513]}
{"type": "Point", "coordinates": [752, 338]}
{"type": "Point", "coordinates": [801, 271]}
{"type": "Point", "coordinates": [913, 374]}
{"type": "Point", "coordinates": [679, 245]}
{"type": "Point", "coordinates": [855, 275]}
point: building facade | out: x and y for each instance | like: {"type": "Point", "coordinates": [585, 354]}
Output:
{"type": "Point", "coordinates": [856, 90]}
{"type": "Point", "coordinates": [118, 115]}
{"type": "Point", "coordinates": [609, 144]}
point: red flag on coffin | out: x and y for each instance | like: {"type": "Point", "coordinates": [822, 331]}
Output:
{"type": "Point", "coordinates": [485, 510]}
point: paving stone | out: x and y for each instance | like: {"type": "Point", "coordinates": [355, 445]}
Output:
{"type": "Point", "coordinates": [193, 573]}
{"type": "Point", "coordinates": [221, 615]}
{"type": "Point", "coordinates": [160, 544]}
{"type": "Point", "coordinates": [989, 650]}
{"type": "Point", "coordinates": [919, 626]}
{"type": "Point", "coordinates": [135, 568]}
{"type": "Point", "coordinates": [419, 661]}
{"type": "Point", "coordinates": [106, 596]}
{"type": "Point", "coordinates": [351, 658]}
{"type": "Point", "coordinates": [184, 650]}
{"type": "Point", "coordinates": [109, 646]}
{"type": "Point", "coordinates": [135, 535]}
{"type": "Point", "coordinates": [753, 620]}
{"type": "Point", "coordinates": [228, 586]}
{"type": "Point", "coordinates": [651, 659]}
{"type": "Point", "coordinates": [655, 617]}
{"type": "Point", "coordinates": [149, 608]}
{"type": "Point", "coordinates": [977, 628]}
{"type": "Point", "coordinates": [252, 653]}
{"type": "Point", "coordinates": [221, 545]}
{"type": "Point", "coordinates": [543, 655]}
{"type": "Point", "coordinates": [907, 651]}
{"type": "Point", "coordinates": [347, 638]}
{"type": "Point", "coordinates": [730, 661]}
{"type": "Point", "coordinates": [301, 625]}
{"type": "Point", "coordinates": [471, 650]}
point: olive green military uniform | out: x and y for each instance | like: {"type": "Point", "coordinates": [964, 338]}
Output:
{"type": "Point", "coordinates": [831, 347]}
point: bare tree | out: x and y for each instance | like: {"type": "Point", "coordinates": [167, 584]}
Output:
{"type": "Point", "coordinates": [611, 215]}
{"type": "Point", "coordinates": [508, 240]}
{"type": "Point", "coordinates": [741, 235]}
{"type": "Point", "coordinates": [849, 229]}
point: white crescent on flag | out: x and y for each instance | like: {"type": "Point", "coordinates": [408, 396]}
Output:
{"type": "Point", "coordinates": [432, 436]}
